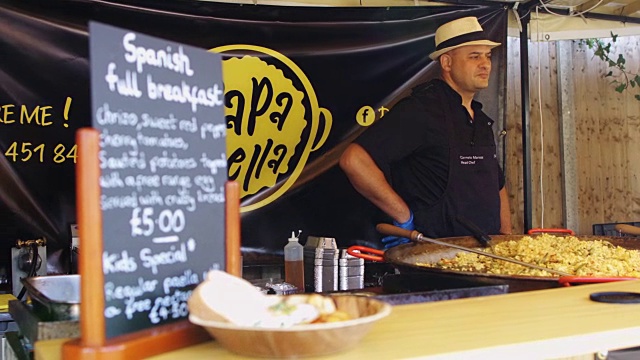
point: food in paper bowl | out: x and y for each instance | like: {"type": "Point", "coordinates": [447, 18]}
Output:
{"type": "Point", "coordinates": [247, 322]}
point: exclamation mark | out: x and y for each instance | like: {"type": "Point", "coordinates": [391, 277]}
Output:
{"type": "Point", "coordinates": [67, 105]}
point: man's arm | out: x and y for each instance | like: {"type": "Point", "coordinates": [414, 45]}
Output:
{"type": "Point", "coordinates": [367, 178]}
{"type": "Point", "coordinates": [505, 212]}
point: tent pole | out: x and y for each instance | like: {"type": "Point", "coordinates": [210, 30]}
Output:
{"type": "Point", "coordinates": [526, 124]}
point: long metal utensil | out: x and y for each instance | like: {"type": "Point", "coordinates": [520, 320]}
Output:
{"type": "Point", "coordinates": [388, 229]}
{"type": "Point", "coordinates": [480, 235]}
{"type": "Point", "coordinates": [628, 229]}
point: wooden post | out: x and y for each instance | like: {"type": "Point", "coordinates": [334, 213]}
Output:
{"type": "Point", "coordinates": [92, 327]}
{"type": "Point", "coordinates": [232, 228]}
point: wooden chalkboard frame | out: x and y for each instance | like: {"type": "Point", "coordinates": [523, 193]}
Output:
{"type": "Point", "coordinates": [92, 344]}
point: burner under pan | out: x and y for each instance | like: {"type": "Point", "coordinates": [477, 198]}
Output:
{"type": "Point", "coordinates": [440, 295]}
{"type": "Point", "coordinates": [412, 282]}
{"type": "Point", "coordinates": [411, 288]}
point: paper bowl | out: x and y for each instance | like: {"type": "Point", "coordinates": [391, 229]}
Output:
{"type": "Point", "coordinates": [301, 340]}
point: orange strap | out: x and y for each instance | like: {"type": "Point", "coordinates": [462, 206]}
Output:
{"type": "Point", "coordinates": [562, 231]}
{"type": "Point", "coordinates": [568, 280]}
{"type": "Point", "coordinates": [366, 253]}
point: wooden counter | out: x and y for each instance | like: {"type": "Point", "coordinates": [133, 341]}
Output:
{"type": "Point", "coordinates": [543, 324]}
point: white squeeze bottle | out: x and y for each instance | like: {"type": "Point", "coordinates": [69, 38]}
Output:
{"type": "Point", "coordinates": [293, 262]}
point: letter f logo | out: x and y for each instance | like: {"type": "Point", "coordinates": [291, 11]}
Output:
{"type": "Point", "coordinates": [365, 116]}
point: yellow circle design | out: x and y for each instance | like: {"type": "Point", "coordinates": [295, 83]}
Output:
{"type": "Point", "coordinates": [317, 115]}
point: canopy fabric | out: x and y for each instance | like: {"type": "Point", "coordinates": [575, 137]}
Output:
{"type": "Point", "coordinates": [550, 19]}
{"type": "Point", "coordinates": [547, 27]}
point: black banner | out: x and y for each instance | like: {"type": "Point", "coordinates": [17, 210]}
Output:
{"type": "Point", "coordinates": [297, 83]}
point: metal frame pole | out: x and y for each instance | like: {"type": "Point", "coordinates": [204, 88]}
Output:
{"type": "Point", "coordinates": [526, 123]}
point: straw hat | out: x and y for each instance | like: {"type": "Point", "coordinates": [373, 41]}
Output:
{"type": "Point", "coordinates": [460, 32]}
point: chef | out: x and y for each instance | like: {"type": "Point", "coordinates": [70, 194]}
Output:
{"type": "Point", "coordinates": [431, 160]}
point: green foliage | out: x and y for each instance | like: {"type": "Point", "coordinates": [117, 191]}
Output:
{"type": "Point", "coordinates": [621, 78]}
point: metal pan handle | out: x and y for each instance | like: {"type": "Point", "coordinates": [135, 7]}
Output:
{"type": "Point", "coordinates": [478, 233]}
{"type": "Point", "coordinates": [561, 231]}
{"type": "Point", "coordinates": [366, 253]}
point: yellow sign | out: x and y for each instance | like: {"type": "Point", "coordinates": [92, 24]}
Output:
{"type": "Point", "coordinates": [267, 116]}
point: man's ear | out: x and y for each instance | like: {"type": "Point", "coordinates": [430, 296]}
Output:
{"type": "Point", "coordinates": [445, 62]}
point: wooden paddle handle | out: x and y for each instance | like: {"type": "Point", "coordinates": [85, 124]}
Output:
{"type": "Point", "coordinates": [388, 229]}
{"type": "Point", "coordinates": [628, 229]}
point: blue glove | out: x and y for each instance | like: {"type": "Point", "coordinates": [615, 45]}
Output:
{"type": "Point", "coordinates": [391, 241]}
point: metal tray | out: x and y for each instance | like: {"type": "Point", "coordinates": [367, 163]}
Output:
{"type": "Point", "coordinates": [35, 329]}
{"type": "Point", "coordinates": [54, 298]}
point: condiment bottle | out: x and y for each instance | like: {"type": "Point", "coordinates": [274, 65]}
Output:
{"type": "Point", "coordinates": [293, 262]}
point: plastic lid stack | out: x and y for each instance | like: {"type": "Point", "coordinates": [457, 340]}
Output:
{"type": "Point", "coordinates": [351, 271]}
{"type": "Point", "coordinates": [321, 264]}
{"type": "Point", "coordinates": [327, 268]}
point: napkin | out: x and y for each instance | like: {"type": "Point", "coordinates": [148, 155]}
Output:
{"type": "Point", "coordinates": [4, 301]}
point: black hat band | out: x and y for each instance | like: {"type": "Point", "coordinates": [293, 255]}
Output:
{"type": "Point", "coordinates": [461, 39]}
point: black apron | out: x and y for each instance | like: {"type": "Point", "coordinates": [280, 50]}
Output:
{"type": "Point", "coordinates": [472, 190]}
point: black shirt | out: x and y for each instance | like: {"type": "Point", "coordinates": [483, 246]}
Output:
{"type": "Point", "coordinates": [410, 143]}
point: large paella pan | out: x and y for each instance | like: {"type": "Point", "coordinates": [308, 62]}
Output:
{"type": "Point", "coordinates": [424, 257]}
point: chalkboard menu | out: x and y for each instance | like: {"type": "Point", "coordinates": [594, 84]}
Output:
{"type": "Point", "coordinates": [158, 106]}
